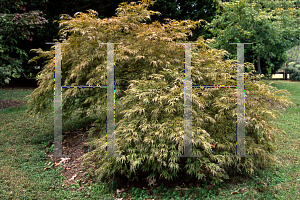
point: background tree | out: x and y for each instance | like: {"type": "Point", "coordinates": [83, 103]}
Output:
{"type": "Point", "coordinates": [184, 10]}
{"type": "Point", "coordinates": [16, 52]}
{"type": "Point", "coordinates": [269, 26]}
{"type": "Point", "coordinates": [175, 9]}
{"type": "Point", "coordinates": [150, 114]}
{"type": "Point", "coordinates": [15, 26]}
{"type": "Point", "coordinates": [293, 64]}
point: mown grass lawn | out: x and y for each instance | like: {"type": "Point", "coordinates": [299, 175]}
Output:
{"type": "Point", "coordinates": [24, 173]}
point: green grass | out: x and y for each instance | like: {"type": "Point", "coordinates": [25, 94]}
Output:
{"type": "Point", "coordinates": [22, 155]}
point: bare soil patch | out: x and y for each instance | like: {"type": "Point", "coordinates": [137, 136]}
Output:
{"type": "Point", "coordinates": [4, 103]}
{"type": "Point", "coordinates": [74, 145]}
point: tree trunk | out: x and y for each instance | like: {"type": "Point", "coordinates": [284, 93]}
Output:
{"type": "Point", "coordinates": [284, 72]}
{"type": "Point", "coordinates": [258, 64]}
{"type": "Point", "coordinates": [284, 75]}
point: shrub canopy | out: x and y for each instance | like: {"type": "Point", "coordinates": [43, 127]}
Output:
{"type": "Point", "coordinates": [150, 111]}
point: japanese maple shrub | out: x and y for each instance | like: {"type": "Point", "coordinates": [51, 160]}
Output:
{"type": "Point", "coordinates": [150, 113]}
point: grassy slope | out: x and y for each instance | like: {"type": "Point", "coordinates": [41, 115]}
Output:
{"type": "Point", "coordinates": [22, 174]}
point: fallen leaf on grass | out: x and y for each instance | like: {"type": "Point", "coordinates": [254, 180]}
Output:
{"type": "Point", "coordinates": [178, 188]}
{"type": "Point", "coordinates": [242, 190]}
{"type": "Point", "coordinates": [63, 160]}
{"type": "Point", "coordinates": [262, 183]}
{"type": "Point", "coordinates": [120, 191]}
{"type": "Point", "coordinates": [73, 177]}
{"type": "Point", "coordinates": [56, 164]}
